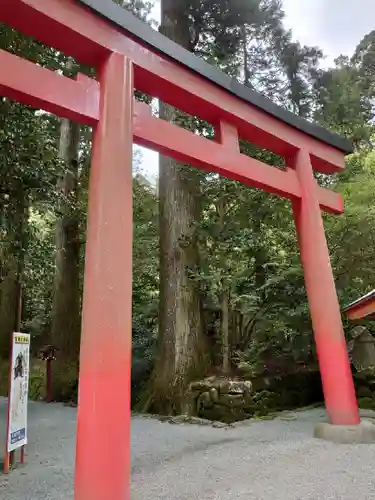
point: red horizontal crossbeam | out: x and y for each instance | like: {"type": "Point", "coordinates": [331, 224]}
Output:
{"type": "Point", "coordinates": [185, 146]}
{"type": "Point", "coordinates": [79, 100]}
{"type": "Point", "coordinates": [224, 159]}
{"type": "Point", "coordinates": [361, 310]}
{"type": "Point", "coordinates": [73, 29]}
{"type": "Point", "coordinates": [30, 84]}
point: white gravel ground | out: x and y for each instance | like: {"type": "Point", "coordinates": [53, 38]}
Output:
{"type": "Point", "coordinates": [255, 461]}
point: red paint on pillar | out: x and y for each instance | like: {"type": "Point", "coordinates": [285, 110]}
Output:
{"type": "Point", "coordinates": [102, 469]}
{"type": "Point", "coordinates": [337, 380]}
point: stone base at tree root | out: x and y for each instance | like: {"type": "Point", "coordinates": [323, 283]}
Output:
{"type": "Point", "coordinates": [225, 400]}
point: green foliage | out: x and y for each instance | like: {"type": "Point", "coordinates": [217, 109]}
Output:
{"type": "Point", "coordinates": [351, 236]}
{"type": "Point", "coordinates": [139, 8]}
{"type": "Point", "coordinates": [37, 380]}
{"type": "Point", "coordinates": [301, 68]}
{"type": "Point", "coordinates": [145, 279]}
{"type": "Point", "coordinates": [343, 103]}
{"type": "Point", "coordinates": [38, 274]}
{"type": "Point", "coordinates": [364, 60]}
{"type": "Point", "coordinates": [66, 382]}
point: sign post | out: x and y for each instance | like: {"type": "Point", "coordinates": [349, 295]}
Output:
{"type": "Point", "coordinates": [48, 354]}
{"type": "Point", "coordinates": [16, 436]}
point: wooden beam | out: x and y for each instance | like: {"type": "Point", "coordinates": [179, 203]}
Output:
{"type": "Point", "coordinates": [30, 84]}
{"type": "Point", "coordinates": [361, 310]}
{"type": "Point", "coordinates": [185, 146]}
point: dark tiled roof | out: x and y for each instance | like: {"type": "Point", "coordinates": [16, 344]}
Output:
{"type": "Point", "coordinates": [157, 42]}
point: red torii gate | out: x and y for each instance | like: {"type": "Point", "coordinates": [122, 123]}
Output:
{"type": "Point", "coordinates": [362, 308]}
{"type": "Point", "coordinates": [128, 54]}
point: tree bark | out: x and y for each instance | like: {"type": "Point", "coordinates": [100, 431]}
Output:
{"type": "Point", "coordinates": [224, 295]}
{"type": "Point", "coordinates": [12, 263]}
{"type": "Point", "coordinates": [182, 345]}
{"type": "Point", "coordinates": [65, 323]}
{"type": "Point", "coordinates": [225, 347]}
{"type": "Point", "coordinates": [246, 65]}
{"type": "Point", "coordinates": [261, 258]}
{"type": "Point", "coordinates": [8, 305]}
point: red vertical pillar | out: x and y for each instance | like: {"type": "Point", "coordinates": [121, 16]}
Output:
{"type": "Point", "coordinates": [102, 468]}
{"type": "Point", "coordinates": [337, 380]}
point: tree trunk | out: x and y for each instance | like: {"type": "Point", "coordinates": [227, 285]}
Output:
{"type": "Point", "coordinates": [261, 257]}
{"type": "Point", "coordinates": [8, 305]}
{"type": "Point", "coordinates": [182, 343]}
{"type": "Point", "coordinates": [224, 295]}
{"type": "Point", "coordinates": [65, 324]}
{"type": "Point", "coordinates": [225, 348]}
{"type": "Point", "coordinates": [246, 65]}
{"type": "Point", "coordinates": [12, 267]}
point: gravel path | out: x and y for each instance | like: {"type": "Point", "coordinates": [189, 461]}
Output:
{"type": "Point", "coordinates": [258, 460]}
